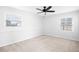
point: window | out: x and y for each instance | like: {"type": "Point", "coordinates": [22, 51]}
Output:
{"type": "Point", "coordinates": [12, 20]}
{"type": "Point", "coordinates": [66, 24]}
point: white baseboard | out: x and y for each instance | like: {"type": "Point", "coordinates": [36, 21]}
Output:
{"type": "Point", "coordinates": [68, 38]}
{"type": "Point", "coordinates": [10, 42]}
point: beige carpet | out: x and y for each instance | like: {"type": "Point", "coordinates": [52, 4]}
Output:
{"type": "Point", "coordinates": [43, 44]}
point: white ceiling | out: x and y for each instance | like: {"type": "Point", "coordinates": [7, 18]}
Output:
{"type": "Point", "coordinates": [58, 9]}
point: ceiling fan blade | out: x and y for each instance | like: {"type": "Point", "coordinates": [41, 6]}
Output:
{"type": "Point", "coordinates": [39, 12]}
{"type": "Point", "coordinates": [50, 11]}
{"type": "Point", "coordinates": [38, 9]}
{"type": "Point", "coordinates": [49, 8]}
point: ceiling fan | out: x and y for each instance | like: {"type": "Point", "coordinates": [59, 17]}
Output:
{"type": "Point", "coordinates": [45, 9]}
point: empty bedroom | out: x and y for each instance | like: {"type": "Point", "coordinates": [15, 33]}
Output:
{"type": "Point", "coordinates": [39, 28]}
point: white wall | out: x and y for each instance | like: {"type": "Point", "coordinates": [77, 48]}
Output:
{"type": "Point", "coordinates": [52, 25]}
{"type": "Point", "coordinates": [31, 26]}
